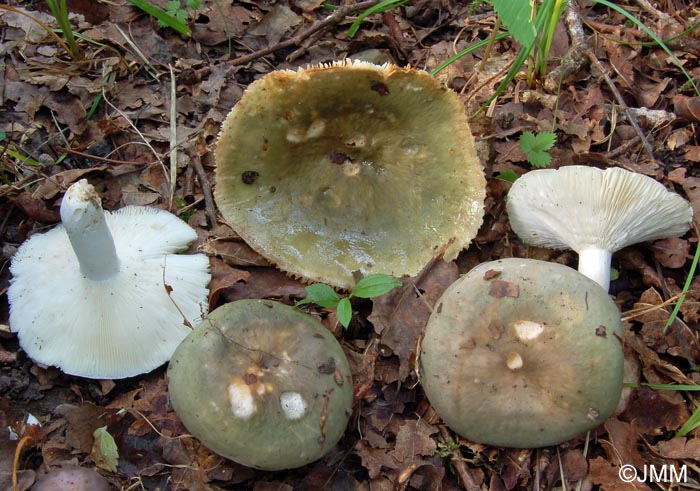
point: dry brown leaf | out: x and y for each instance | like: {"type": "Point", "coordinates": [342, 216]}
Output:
{"type": "Point", "coordinates": [691, 186]}
{"type": "Point", "coordinates": [671, 252]}
{"type": "Point", "coordinates": [654, 412]}
{"type": "Point", "coordinates": [234, 252]}
{"type": "Point", "coordinates": [680, 448]}
{"type": "Point", "coordinates": [607, 476]}
{"type": "Point", "coordinates": [400, 316]}
{"type": "Point", "coordinates": [686, 107]}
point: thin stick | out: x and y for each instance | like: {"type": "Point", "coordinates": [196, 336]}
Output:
{"type": "Point", "coordinates": [456, 458]}
{"type": "Point", "coordinates": [334, 18]}
{"type": "Point", "coordinates": [97, 157]}
{"type": "Point", "coordinates": [173, 136]}
{"type": "Point", "coordinates": [206, 189]}
{"type": "Point", "coordinates": [630, 117]}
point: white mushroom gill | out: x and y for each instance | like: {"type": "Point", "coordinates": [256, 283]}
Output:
{"type": "Point", "coordinates": [84, 221]}
{"type": "Point", "coordinates": [594, 212]}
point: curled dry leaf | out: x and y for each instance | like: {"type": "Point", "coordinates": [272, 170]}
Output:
{"type": "Point", "coordinates": [400, 316]}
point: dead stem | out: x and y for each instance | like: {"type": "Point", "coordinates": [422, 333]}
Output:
{"type": "Point", "coordinates": [15, 463]}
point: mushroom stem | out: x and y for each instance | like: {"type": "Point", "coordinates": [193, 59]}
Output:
{"type": "Point", "coordinates": [595, 263]}
{"type": "Point", "coordinates": [84, 221]}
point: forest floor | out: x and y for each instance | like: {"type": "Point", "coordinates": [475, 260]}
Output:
{"type": "Point", "coordinates": [104, 114]}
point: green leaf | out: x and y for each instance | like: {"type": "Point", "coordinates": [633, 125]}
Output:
{"type": "Point", "coordinates": [344, 312]}
{"type": "Point", "coordinates": [374, 285]}
{"type": "Point", "coordinates": [507, 175]}
{"type": "Point", "coordinates": [516, 15]}
{"type": "Point", "coordinates": [193, 4]}
{"type": "Point", "coordinates": [162, 16]}
{"type": "Point", "coordinates": [322, 295]}
{"type": "Point", "coordinates": [104, 450]}
{"type": "Point", "coordinates": [536, 147]}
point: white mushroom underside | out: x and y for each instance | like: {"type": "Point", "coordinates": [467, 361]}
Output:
{"type": "Point", "coordinates": [578, 207]}
{"type": "Point", "coordinates": [115, 328]}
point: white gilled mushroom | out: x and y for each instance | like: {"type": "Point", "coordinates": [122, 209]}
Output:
{"type": "Point", "coordinates": [594, 212]}
{"type": "Point", "coordinates": [103, 295]}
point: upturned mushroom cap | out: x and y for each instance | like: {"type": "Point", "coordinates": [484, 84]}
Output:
{"type": "Point", "coordinates": [523, 353]}
{"type": "Point", "coordinates": [350, 167]}
{"type": "Point", "coordinates": [262, 384]}
{"type": "Point", "coordinates": [103, 295]}
{"type": "Point", "coordinates": [594, 212]}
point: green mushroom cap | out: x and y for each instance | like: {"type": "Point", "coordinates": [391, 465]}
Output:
{"type": "Point", "coordinates": [350, 167]}
{"type": "Point", "coordinates": [523, 353]}
{"type": "Point", "coordinates": [262, 384]}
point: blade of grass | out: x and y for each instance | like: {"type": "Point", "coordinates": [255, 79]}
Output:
{"type": "Point", "coordinates": [162, 16]}
{"type": "Point", "coordinates": [59, 9]}
{"type": "Point", "coordinates": [466, 51]}
{"type": "Point", "coordinates": [380, 7]}
{"type": "Point", "coordinates": [686, 287]}
{"type": "Point", "coordinates": [653, 36]}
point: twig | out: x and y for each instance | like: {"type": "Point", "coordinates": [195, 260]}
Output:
{"type": "Point", "coordinates": [334, 18]}
{"type": "Point", "coordinates": [456, 458]}
{"type": "Point", "coordinates": [630, 117]}
{"type": "Point", "coordinates": [662, 16]}
{"type": "Point", "coordinates": [173, 137]}
{"type": "Point", "coordinates": [206, 188]}
{"type": "Point", "coordinates": [97, 157]}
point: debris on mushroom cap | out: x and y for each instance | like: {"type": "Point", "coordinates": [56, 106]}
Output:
{"type": "Point", "coordinates": [523, 353]}
{"type": "Point", "coordinates": [594, 212]}
{"type": "Point", "coordinates": [103, 295]}
{"type": "Point", "coordinates": [262, 384]}
{"type": "Point", "coordinates": [71, 479]}
{"type": "Point", "coordinates": [350, 167]}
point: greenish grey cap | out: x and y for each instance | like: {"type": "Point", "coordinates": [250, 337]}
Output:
{"type": "Point", "coordinates": [262, 384]}
{"type": "Point", "coordinates": [350, 167]}
{"type": "Point", "coordinates": [523, 353]}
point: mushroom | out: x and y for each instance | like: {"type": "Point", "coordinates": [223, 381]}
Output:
{"type": "Point", "coordinates": [523, 353]}
{"type": "Point", "coordinates": [72, 479]}
{"type": "Point", "coordinates": [262, 384]}
{"type": "Point", "coordinates": [350, 167]}
{"type": "Point", "coordinates": [594, 212]}
{"type": "Point", "coordinates": [103, 295]}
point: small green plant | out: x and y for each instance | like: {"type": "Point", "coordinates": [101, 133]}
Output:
{"type": "Point", "coordinates": [537, 147]}
{"type": "Point", "coordinates": [175, 9]}
{"type": "Point", "coordinates": [370, 286]}
{"type": "Point", "coordinates": [164, 18]}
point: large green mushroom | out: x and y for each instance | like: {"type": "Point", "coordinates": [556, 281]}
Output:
{"type": "Point", "coordinates": [523, 353]}
{"type": "Point", "coordinates": [350, 167]}
{"type": "Point", "coordinates": [262, 384]}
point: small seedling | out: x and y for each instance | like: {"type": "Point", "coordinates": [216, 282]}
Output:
{"type": "Point", "coordinates": [175, 9]}
{"type": "Point", "coordinates": [537, 146]}
{"type": "Point", "coordinates": [507, 175]}
{"type": "Point", "coordinates": [370, 286]}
